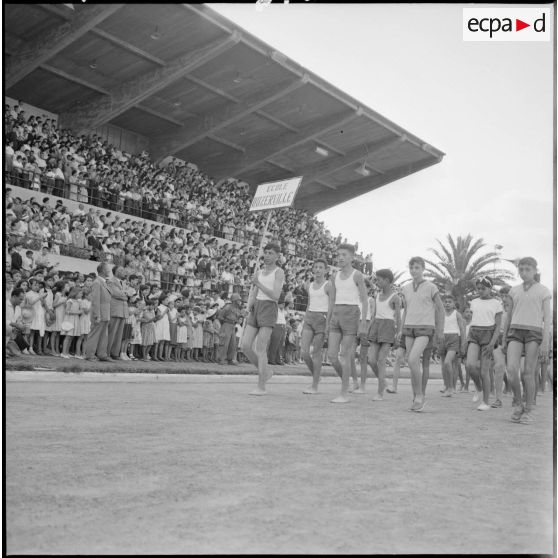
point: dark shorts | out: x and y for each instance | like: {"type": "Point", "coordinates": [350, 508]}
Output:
{"type": "Point", "coordinates": [382, 331]}
{"type": "Point", "coordinates": [524, 335]}
{"type": "Point", "coordinates": [315, 321]}
{"type": "Point", "coordinates": [414, 332]}
{"type": "Point", "coordinates": [480, 335]}
{"type": "Point", "coordinates": [451, 343]}
{"type": "Point", "coordinates": [345, 319]}
{"type": "Point", "coordinates": [264, 314]}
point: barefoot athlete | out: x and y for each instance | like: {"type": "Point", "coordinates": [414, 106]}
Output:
{"type": "Point", "coordinates": [314, 327]}
{"type": "Point", "coordinates": [424, 315]}
{"type": "Point", "coordinates": [346, 317]}
{"type": "Point", "coordinates": [527, 329]}
{"type": "Point", "coordinates": [454, 342]}
{"type": "Point", "coordinates": [384, 323]}
{"type": "Point", "coordinates": [483, 337]}
{"type": "Point", "coordinates": [262, 308]}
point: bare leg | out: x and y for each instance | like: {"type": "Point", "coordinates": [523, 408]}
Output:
{"type": "Point", "coordinates": [364, 359]}
{"type": "Point", "coordinates": [499, 371]}
{"type": "Point", "coordinates": [333, 344]}
{"type": "Point", "coordinates": [415, 348]}
{"type": "Point", "coordinates": [485, 374]}
{"type": "Point", "coordinates": [373, 359]}
{"type": "Point", "coordinates": [305, 342]}
{"type": "Point", "coordinates": [354, 375]}
{"type": "Point", "coordinates": [472, 368]}
{"type": "Point", "coordinates": [447, 372]}
{"type": "Point", "coordinates": [248, 338]}
{"type": "Point", "coordinates": [399, 361]}
{"type": "Point", "coordinates": [381, 366]}
{"type": "Point", "coordinates": [531, 361]}
{"type": "Point", "coordinates": [345, 356]}
{"type": "Point", "coordinates": [425, 369]}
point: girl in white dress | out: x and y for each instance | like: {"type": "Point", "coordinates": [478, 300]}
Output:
{"type": "Point", "coordinates": [50, 318]}
{"type": "Point", "coordinates": [84, 322]}
{"type": "Point", "coordinates": [182, 334]}
{"type": "Point", "coordinates": [173, 329]}
{"type": "Point", "coordinates": [35, 300]}
{"type": "Point", "coordinates": [59, 307]}
{"type": "Point", "coordinates": [73, 313]}
{"type": "Point", "coordinates": [162, 327]}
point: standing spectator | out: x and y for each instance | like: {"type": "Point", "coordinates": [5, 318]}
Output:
{"type": "Point", "coordinates": [13, 321]}
{"type": "Point", "coordinates": [97, 341]}
{"type": "Point", "coordinates": [228, 316]}
{"type": "Point", "coordinates": [118, 311]}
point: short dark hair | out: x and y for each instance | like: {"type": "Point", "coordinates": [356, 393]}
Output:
{"type": "Point", "coordinates": [417, 260]}
{"type": "Point", "coordinates": [528, 261]}
{"type": "Point", "coordinates": [320, 260]}
{"type": "Point", "coordinates": [100, 267]}
{"type": "Point", "coordinates": [448, 297]}
{"type": "Point", "coordinates": [385, 274]}
{"type": "Point", "coordinates": [347, 246]}
{"type": "Point", "coordinates": [272, 246]}
{"type": "Point", "coordinates": [16, 292]}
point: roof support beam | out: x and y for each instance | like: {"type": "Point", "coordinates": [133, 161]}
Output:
{"type": "Point", "coordinates": [314, 203]}
{"type": "Point", "coordinates": [125, 96]}
{"type": "Point", "coordinates": [271, 118]}
{"type": "Point", "coordinates": [129, 47]}
{"type": "Point", "coordinates": [75, 79]}
{"type": "Point", "coordinates": [52, 42]}
{"type": "Point", "coordinates": [361, 153]}
{"type": "Point", "coordinates": [160, 115]}
{"type": "Point", "coordinates": [267, 150]}
{"type": "Point", "coordinates": [59, 11]}
{"type": "Point", "coordinates": [228, 143]}
{"type": "Point", "coordinates": [210, 87]}
{"type": "Point", "coordinates": [210, 123]}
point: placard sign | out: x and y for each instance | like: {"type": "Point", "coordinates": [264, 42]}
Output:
{"type": "Point", "coordinates": [272, 195]}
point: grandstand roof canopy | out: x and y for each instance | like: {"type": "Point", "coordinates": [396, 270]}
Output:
{"type": "Point", "coordinates": [203, 89]}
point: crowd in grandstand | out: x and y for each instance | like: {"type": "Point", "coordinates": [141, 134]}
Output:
{"type": "Point", "coordinates": [168, 246]}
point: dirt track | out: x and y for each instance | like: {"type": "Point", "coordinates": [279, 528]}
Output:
{"type": "Point", "coordinates": [195, 465]}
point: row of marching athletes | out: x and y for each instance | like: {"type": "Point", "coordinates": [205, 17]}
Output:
{"type": "Point", "coordinates": [426, 321]}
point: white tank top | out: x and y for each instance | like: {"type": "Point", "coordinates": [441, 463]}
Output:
{"type": "Point", "coordinates": [267, 281]}
{"type": "Point", "coordinates": [318, 299]}
{"type": "Point", "coordinates": [383, 309]}
{"type": "Point", "coordinates": [450, 323]}
{"type": "Point", "coordinates": [346, 291]}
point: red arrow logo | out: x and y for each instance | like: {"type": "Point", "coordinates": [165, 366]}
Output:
{"type": "Point", "coordinates": [519, 25]}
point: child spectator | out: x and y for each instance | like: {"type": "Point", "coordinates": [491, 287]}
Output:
{"type": "Point", "coordinates": [72, 316]}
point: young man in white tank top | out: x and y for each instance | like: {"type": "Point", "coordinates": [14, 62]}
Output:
{"type": "Point", "coordinates": [263, 309]}
{"type": "Point", "coordinates": [455, 341]}
{"type": "Point", "coordinates": [346, 317]}
{"type": "Point", "coordinates": [314, 327]}
{"type": "Point", "coordinates": [384, 324]}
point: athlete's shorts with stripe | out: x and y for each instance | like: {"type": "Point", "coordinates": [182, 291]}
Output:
{"type": "Point", "coordinates": [345, 319]}
{"type": "Point", "coordinates": [524, 335]}
{"type": "Point", "coordinates": [481, 335]}
{"type": "Point", "coordinates": [382, 331]}
{"type": "Point", "coordinates": [263, 314]}
{"type": "Point", "coordinates": [315, 321]}
{"type": "Point", "coordinates": [451, 343]}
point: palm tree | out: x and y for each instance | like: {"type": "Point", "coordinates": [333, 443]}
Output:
{"type": "Point", "coordinates": [459, 265]}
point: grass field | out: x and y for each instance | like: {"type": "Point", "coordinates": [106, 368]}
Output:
{"type": "Point", "coordinates": [100, 464]}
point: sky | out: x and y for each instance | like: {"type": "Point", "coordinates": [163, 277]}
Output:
{"type": "Point", "coordinates": [487, 106]}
